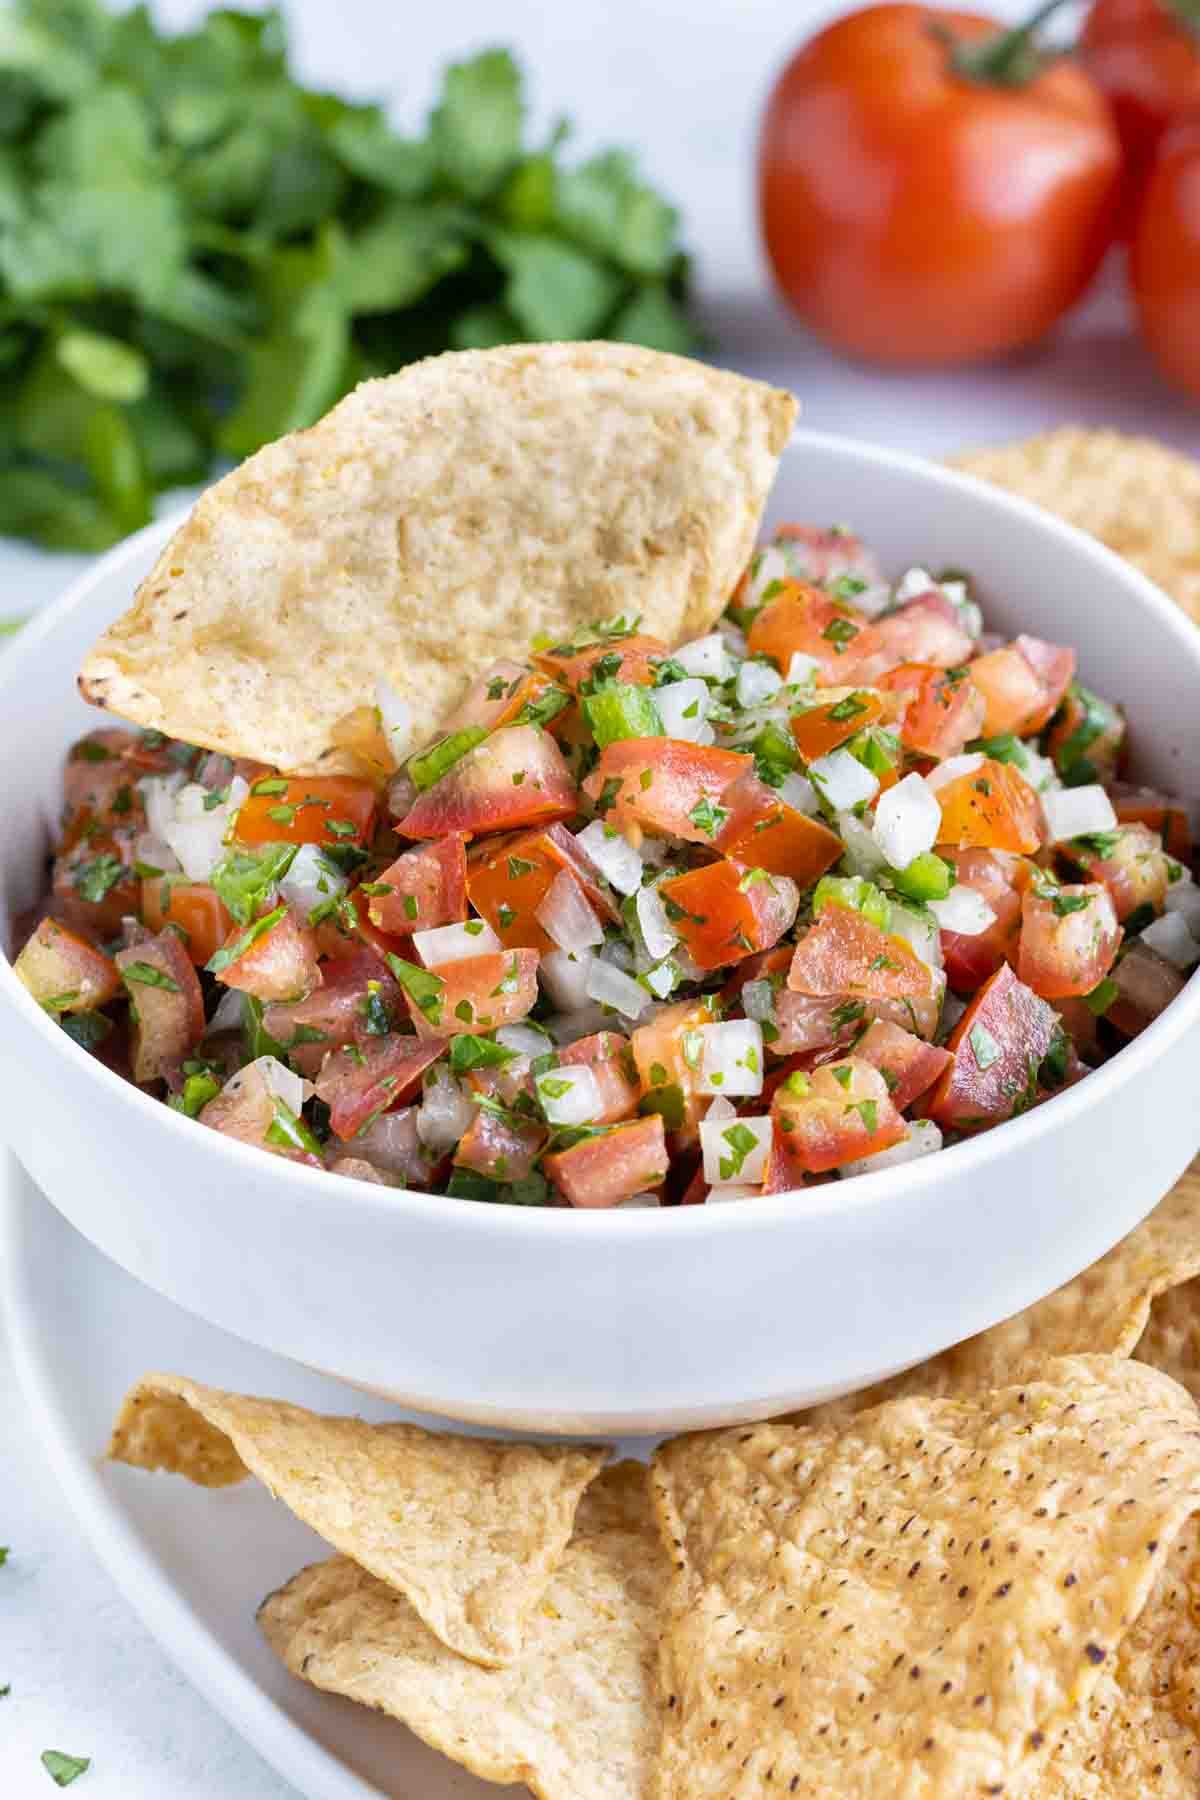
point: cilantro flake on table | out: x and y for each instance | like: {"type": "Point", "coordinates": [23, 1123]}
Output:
{"type": "Point", "coordinates": [63, 1769]}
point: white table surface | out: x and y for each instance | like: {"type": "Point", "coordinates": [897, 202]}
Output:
{"type": "Point", "coordinates": [684, 81]}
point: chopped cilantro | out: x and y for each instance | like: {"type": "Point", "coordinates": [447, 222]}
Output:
{"type": "Point", "coordinates": [468, 1052]}
{"type": "Point", "coordinates": [1103, 844]}
{"type": "Point", "coordinates": [517, 867]}
{"type": "Point", "coordinates": [423, 987]}
{"type": "Point", "coordinates": [289, 1132]}
{"type": "Point", "coordinates": [272, 786]}
{"type": "Point", "coordinates": [868, 1112]}
{"type": "Point", "coordinates": [707, 817]}
{"type": "Point", "coordinates": [342, 828]}
{"type": "Point", "coordinates": [849, 708]}
{"type": "Point", "coordinates": [94, 881]}
{"type": "Point", "coordinates": [245, 879]}
{"type": "Point", "coordinates": [435, 762]}
{"type": "Point", "coordinates": [198, 1090]}
{"type": "Point", "coordinates": [229, 953]}
{"type": "Point", "coordinates": [1064, 904]}
{"type": "Point", "coordinates": [1102, 996]}
{"type": "Point", "coordinates": [146, 975]}
{"type": "Point", "coordinates": [63, 1769]}
{"type": "Point", "coordinates": [984, 1047]}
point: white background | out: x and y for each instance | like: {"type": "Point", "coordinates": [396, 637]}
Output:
{"type": "Point", "coordinates": [683, 81]}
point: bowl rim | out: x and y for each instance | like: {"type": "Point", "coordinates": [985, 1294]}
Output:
{"type": "Point", "coordinates": [1102, 1087]}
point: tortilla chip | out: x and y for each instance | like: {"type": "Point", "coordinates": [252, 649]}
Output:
{"type": "Point", "coordinates": [432, 523]}
{"type": "Point", "coordinates": [1106, 1309]}
{"type": "Point", "coordinates": [470, 1530]}
{"type": "Point", "coordinates": [576, 1717]}
{"type": "Point", "coordinates": [1136, 495]}
{"type": "Point", "coordinates": [914, 1607]}
{"type": "Point", "coordinates": [1139, 1734]}
{"type": "Point", "coordinates": [1171, 1340]}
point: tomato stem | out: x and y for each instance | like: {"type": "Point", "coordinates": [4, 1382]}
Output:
{"type": "Point", "coordinates": [1010, 58]}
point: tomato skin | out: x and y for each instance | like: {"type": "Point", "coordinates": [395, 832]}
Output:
{"type": "Point", "coordinates": [661, 781]}
{"type": "Point", "coordinates": [339, 800]}
{"type": "Point", "coordinates": [927, 629]}
{"type": "Point", "coordinates": [846, 1113]}
{"type": "Point", "coordinates": [729, 911]}
{"type": "Point", "coordinates": [1164, 255]}
{"type": "Point", "coordinates": [1068, 954]}
{"type": "Point", "coordinates": [480, 993]}
{"type": "Point", "coordinates": [658, 1055]}
{"type": "Point", "coordinates": [245, 1109]}
{"type": "Point", "coordinates": [763, 832]}
{"type": "Point", "coordinates": [897, 209]}
{"type": "Point", "coordinates": [507, 880]}
{"type": "Point", "coordinates": [167, 1021]}
{"type": "Point", "coordinates": [499, 1148]}
{"type": "Point", "coordinates": [280, 965]}
{"type": "Point", "coordinates": [337, 1009]}
{"type": "Point", "coordinates": [1135, 875]}
{"type": "Point", "coordinates": [819, 729]}
{"type": "Point", "coordinates": [429, 888]}
{"type": "Point", "coordinates": [1022, 684]}
{"type": "Point", "coordinates": [799, 621]}
{"type": "Point", "coordinates": [943, 708]}
{"type": "Point", "coordinates": [481, 793]}
{"type": "Point", "coordinates": [1168, 817]}
{"type": "Point", "coordinates": [372, 1077]}
{"type": "Point", "coordinates": [607, 1055]}
{"type": "Point", "coordinates": [54, 962]}
{"type": "Point", "coordinates": [194, 906]}
{"type": "Point", "coordinates": [637, 658]}
{"type": "Point", "coordinates": [1146, 60]}
{"type": "Point", "coordinates": [1019, 1027]}
{"type": "Point", "coordinates": [600, 1171]}
{"type": "Point", "coordinates": [992, 808]}
{"type": "Point", "coordinates": [844, 953]}
{"type": "Point", "coordinates": [970, 959]}
{"type": "Point", "coordinates": [908, 1064]}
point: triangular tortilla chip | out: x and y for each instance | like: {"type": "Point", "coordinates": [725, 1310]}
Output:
{"type": "Point", "coordinates": [432, 523]}
{"type": "Point", "coordinates": [469, 1529]}
{"type": "Point", "coordinates": [576, 1718]}
{"type": "Point", "coordinates": [1104, 1310]}
{"type": "Point", "coordinates": [918, 1605]}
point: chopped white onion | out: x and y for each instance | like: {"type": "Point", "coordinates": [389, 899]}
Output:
{"type": "Point", "coordinates": [907, 821]}
{"type": "Point", "coordinates": [735, 638]}
{"type": "Point", "coordinates": [963, 910]}
{"type": "Point", "coordinates": [842, 780]}
{"type": "Point", "coordinates": [704, 656]}
{"type": "Point", "coordinates": [799, 793]}
{"type": "Point", "coordinates": [396, 716]}
{"type": "Point", "coordinates": [454, 943]}
{"type": "Point", "coordinates": [912, 584]}
{"type": "Point", "coordinates": [802, 670]}
{"type": "Point", "coordinates": [393, 1142]}
{"type": "Point", "coordinates": [918, 929]}
{"type": "Point", "coordinates": [612, 855]}
{"type": "Point", "coordinates": [756, 682]}
{"type": "Point", "coordinates": [873, 600]}
{"type": "Point", "coordinates": [618, 953]}
{"type": "Point", "coordinates": [583, 1021]}
{"type": "Point", "coordinates": [155, 853]}
{"type": "Point", "coordinates": [861, 850]}
{"type": "Point", "coordinates": [1072, 811]}
{"type": "Point", "coordinates": [1183, 898]}
{"type": "Point", "coordinates": [193, 828]}
{"type": "Point", "coordinates": [525, 1040]}
{"type": "Point", "coordinates": [445, 1112]}
{"type": "Point", "coordinates": [738, 1192]}
{"type": "Point", "coordinates": [768, 567]}
{"type": "Point", "coordinates": [565, 978]}
{"type": "Point", "coordinates": [566, 917]}
{"type": "Point", "coordinates": [569, 1096]}
{"type": "Point", "coordinates": [1037, 769]}
{"type": "Point", "coordinates": [952, 768]}
{"type": "Point", "coordinates": [683, 708]}
{"type": "Point", "coordinates": [311, 880]}
{"type": "Point", "coordinates": [635, 1202]}
{"type": "Point", "coordinates": [731, 1057]}
{"type": "Point", "coordinates": [1172, 939]}
{"type": "Point", "coordinates": [158, 793]}
{"type": "Point", "coordinates": [292, 1089]}
{"type": "Point", "coordinates": [228, 1016]}
{"type": "Point", "coordinates": [758, 1002]}
{"type": "Point", "coordinates": [952, 1011]}
{"type": "Point", "coordinates": [721, 1108]}
{"type": "Point", "coordinates": [922, 1140]}
{"type": "Point", "coordinates": [663, 978]}
{"type": "Point", "coordinates": [724, 1163]}
{"type": "Point", "coordinates": [610, 987]}
{"type": "Point", "coordinates": [658, 933]}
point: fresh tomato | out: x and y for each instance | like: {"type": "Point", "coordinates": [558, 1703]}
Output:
{"type": "Point", "coordinates": [100, 777]}
{"type": "Point", "coordinates": [840, 713]}
{"type": "Point", "coordinates": [811, 1022]}
{"type": "Point", "coordinates": [668, 1065]}
{"type": "Point", "coordinates": [1144, 55]}
{"type": "Point", "coordinates": [356, 992]}
{"type": "Point", "coordinates": [480, 993]}
{"type": "Point", "coordinates": [841, 1112]}
{"type": "Point", "coordinates": [666, 785]}
{"type": "Point", "coordinates": [487, 697]}
{"type": "Point", "coordinates": [502, 1148]}
{"type": "Point", "coordinates": [894, 183]}
{"type": "Point", "coordinates": [65, 973]}
{"type": "Point", "coordinates": [536, 700]}
{"type": "Point", "coordinates": [608, 1056]}
{"type": "Point", "coordinates": [1022, 684]}
{"type": "Point", "coordinates": [94, 886]}
{"type": "Point", "coordinates": [1168, 817]}
{"type": "Point", "coordinates": [613, 1166]}
{"type": "Point", "coordinates": [517, 776]}
{"type": "Point", "coordinates": [1068, 939]}
{"type": "Point", "coordinates": [927, 629]}
{"type": "Point", "coordinates": [246, 1109]}
{"type": "Point", "coordinates": [358, 1081]}
{"type": "Point", "coordinates": [908, 1064]}
{"type": "Point", "coordinates": [1130, 863]}
{"type": "Point", "coordinates": [998, 879]}
{"type": "Point", "coordinates": [764, 832]}
{"type": "Point", "coordinates": [1164, 255]}
{"type": "Point", "coordinates": [193, 907]}
{"type": "Point", "coordinates": [826, 553]}
{"type": "Point", "coordinates": [725, 911]}
{"type": "Point", "coordinates": [308, 809]}
{"type": "Point", "coordinates": [943, 707]}
{"type": "Point", "coordinates": [428, 887]}
{"type": "Point", "coordinates": [277, 964]}
{"type": "Point", "coordinates": [806, 621]}
{"type": "Point", "coordinates": [166, 1005]}
{"type": "Point", "coordinates": [1146, 984]}
{"type": "Point", "coordinates": [630, 659]}
{"type": "Point", "coordinates": [998, 1046]}
{"type": "Point", "coordinates": [990, 808]}
{"type": "Point", "coordinates": [844, 953]}
{"type": "Point", "coordinates": [508, 878]}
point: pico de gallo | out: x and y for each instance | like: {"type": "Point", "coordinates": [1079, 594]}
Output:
{"type": "Point", "coordinates": [845, 880]}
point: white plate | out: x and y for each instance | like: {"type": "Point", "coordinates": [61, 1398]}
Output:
{"type": "Point", "coordinates": [194, 1564]}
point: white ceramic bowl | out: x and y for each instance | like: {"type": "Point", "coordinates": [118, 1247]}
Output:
{"type": "Point", "coordinates": [629, 1321]}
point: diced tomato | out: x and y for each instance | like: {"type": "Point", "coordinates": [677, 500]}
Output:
{"type": "Point", "coordinates": [166, 1006]}
{"type": "Point", "coordinates": [844, 953]}
{"type": "Point", "coordinates": [695, 1188]}
{"type": "Point", "coordinates": [1166, 816]}
{"type": "Point", "coordinates": [765, 833]}
{"type": "Point", "coordinates": [841, 714]}
{"type": "Point", "coordinates": [65, 973]}
{"type": "Point", "coordinates": [666, 1053]}
{"type": "Point", "coordinates": [925, 630]}
{"type": "Point", "coordinates": [480, 993]}
{"type": "Point", "coordinates": [508, 878]}
{"type": "Point", "coordinates": [666, 785]}
{"type": "Point", "coordinates": [1022, 684]}
{"type": "Point", "coordinates": [246, 1109]}
{"type": "Point", "coordinates": [503, 1149]}
{"type": "Point", "coordinates": [826, 553]}
{"type": "Point", "coordinates": [94, 886]}
{"type": "Point", "coordinates": [279, 965]}
{"type": "Point", "coordinates": [842, 1112]}
{"type": "Point", "coordinates": [1136, 874]}
{"type": "Point", "coordinates": [992, 808]}
{"type": "Point", "coordinates": [429, 887]}
{"type": "Point", "coordinates": [725, 911]}
{"type": "Point", "coordinates": [608, 1055]}
{"type": "Point", "coordinates": [1146, 984]}
{"type": "Point", "coordinates": [1069, 939]}
{"type": "Point", "coordinates": [535, 695]}
{"type": "Point", "coordinates": [357, 1081]}
{"type": "Point", "coordinates": [769, 965]}
{"type": "Point", "coordinates": [970, 959]}
{"type": "Point", "coordinates": [622, 1162]}
{"type": "Point", "coordinates": [807, 621]}
{"type": "Point", "coordinates": [487, 697]}
{"type": "Point", "coordinates": [944, 709]}
{"type": "Point", "coordinates": [194, 907]}
{"type": "Point", "coordinates": [998, 1047]}
{"type": "Point", "coordinates": [517, 776]}
{"type": "Point", "coordinates": [100, 778]}
{"type": "Point", "coordinates": [806, 1022]}
{"type": "Point", "coordinates": [908, 1064]}
{"type": "Point", "coordinates": [355, 990]}
{"type": "Point", "coordinates": [636, 657]}
{"type": "Point", "coordinates": [784, 1172]}
{"type": "Point", "coordinates": [309, 809]}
